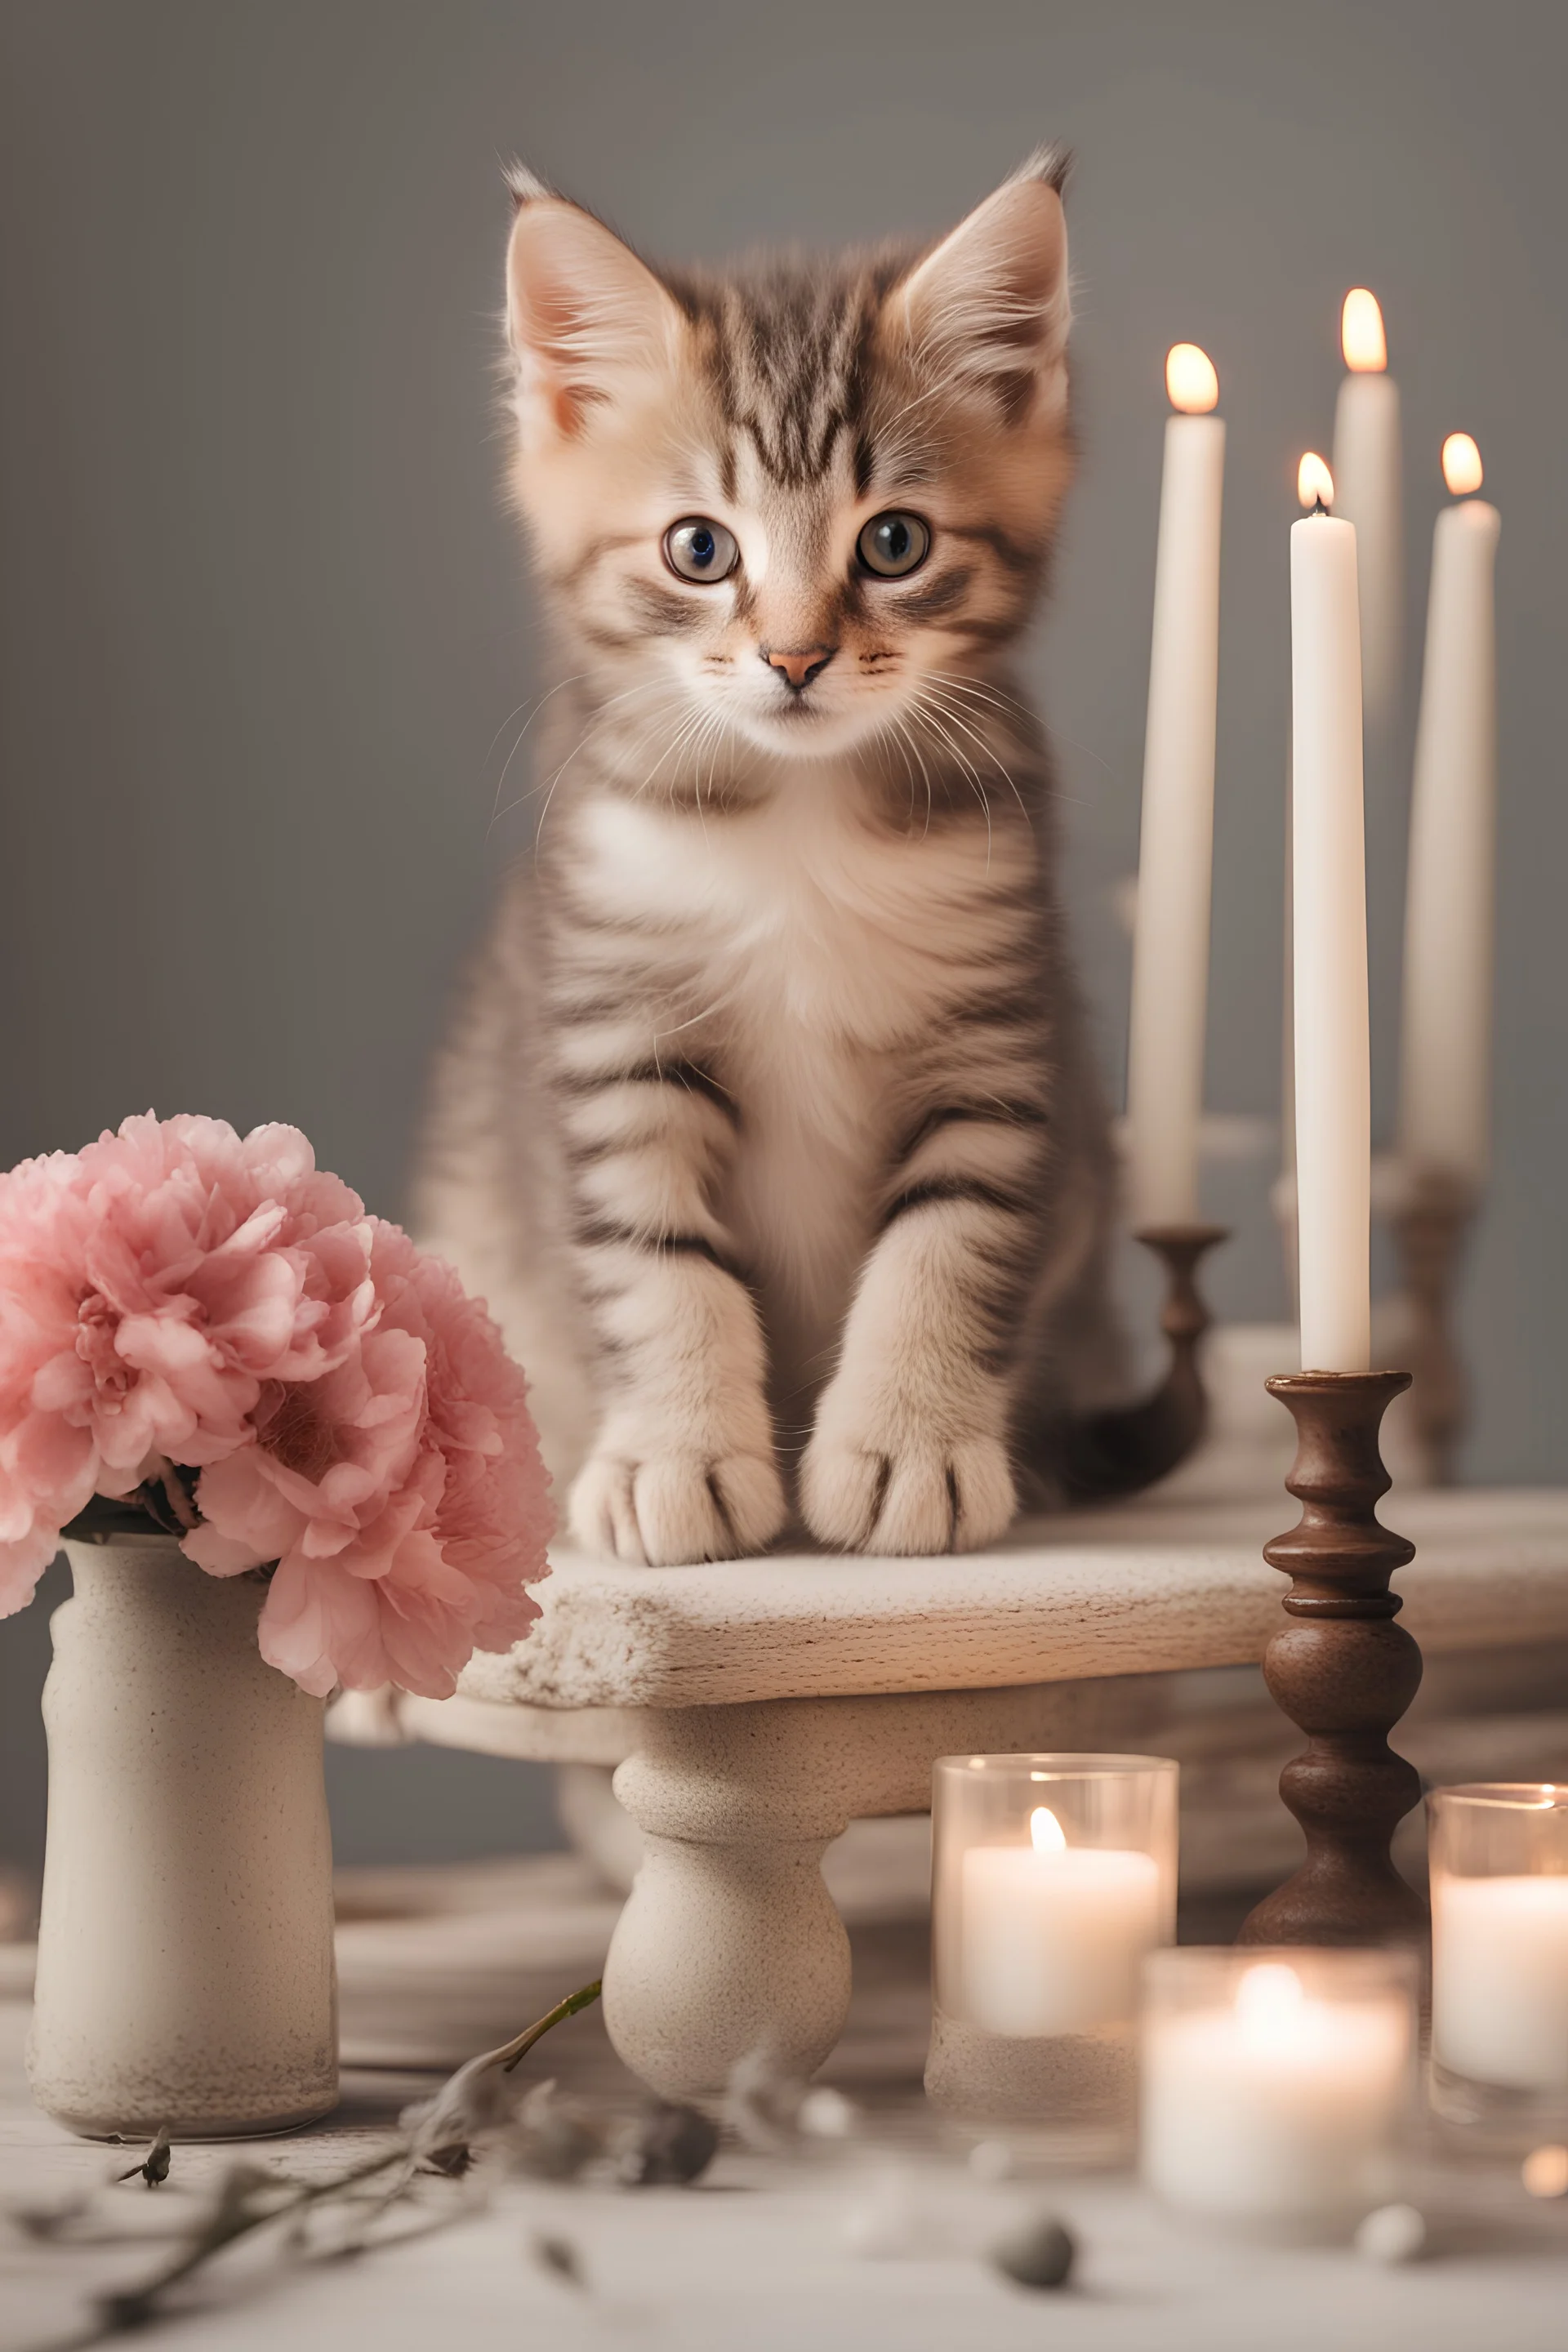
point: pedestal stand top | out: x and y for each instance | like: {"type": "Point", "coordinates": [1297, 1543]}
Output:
{"type": "Point", "coordinates": [1143, 1590]}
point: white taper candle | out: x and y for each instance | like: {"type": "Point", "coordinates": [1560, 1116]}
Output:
{"type": "Point", "coordinates": [1334, 1108]}
{"type": "Point", "coordinates": [1367, 464]}
{"type": "Point", "coordinates": [1445, 1110]}
{"type": "Point", "coordinates": [1175, 858]}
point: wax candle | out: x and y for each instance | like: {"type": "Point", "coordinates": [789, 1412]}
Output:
{"type": "Point", "coordinates": [1333, 1100]}
{"type": "Point", "coordinates": [1052, 1937]}
{"type": "Point", "coordinates": [1500, 1980]}
{"type": "Point", "coordinates": [1444, 1120]}
{"type": "Point", "coordinates": [1499, 1952]}
{"type": "Point", "coordinates": [1366, 463]}
{"type": "Point", "coordinates": [1171, 939]}
{"type": "Point", "coordinates": [1052, 1876]}
{"type": "Point", "coordinates": [1272, 2105]}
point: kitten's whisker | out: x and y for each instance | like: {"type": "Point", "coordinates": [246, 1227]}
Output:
{"type": "Point", "coordinates": [907, 736]}
{"type": "Point", "coordinates": [972, 724]}
{"type": "Point", "coordinates": [961, 693]}
{"type": "Point", "coordinates": [929, 711]}
{"type": "Point", "coordinates": [984, 690]}
{"type": "Point", "coordinates": [717, 1006]}
{"type": "Point", "coordinates": [987, 682]}
{"type": "Point", "coordinates": [599, 720]}
{"type": "Point", "coordinates": [939, 723]}
{"type": "Point", "coordinates": [725, 743]}
{"type": "Point", "coordinates": [538, 704]}
{"type": "Point", "coordinates": [678, 742]}
{"type": "Point", "coordinates": [884, 736]}
{"type": "Point", "coordinates": [1055, 736]}
{"type": "Point", "coordinates": [716, 744]}
{"type": "Point", "coordinates": [495, 739]}
{"type": "Point", "coordinates": [707, 738]}
{"type": "Point", "coordinates": [675, 704]}
{"type": "Point", "coordinates": [1004, 771]}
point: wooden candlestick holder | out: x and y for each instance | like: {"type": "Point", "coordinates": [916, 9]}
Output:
{"type": "Point", "coordinates": [1344, 1672]}
{"type": "Point", "coordinates": [1123, 1449]}
{"type": "Point", "coordinates": [1431, 1224]}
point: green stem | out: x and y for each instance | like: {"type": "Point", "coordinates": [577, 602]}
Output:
{"type": "Point", "coordinates": [509, 2054]}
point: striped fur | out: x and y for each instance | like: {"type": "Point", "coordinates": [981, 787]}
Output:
{"type": "Point", "coordinates": [767, 1123]}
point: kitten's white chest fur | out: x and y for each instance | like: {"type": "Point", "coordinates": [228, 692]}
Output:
{"type": "Point", "coordinates": [822, 948]}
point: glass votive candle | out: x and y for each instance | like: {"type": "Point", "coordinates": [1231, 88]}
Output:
{"type": "Point", "coordinates": [1052, 1878]}
{"type": "Point", "coordinates": [1278, 2084]}
{"type": "Point", "coordinates": [1499, 1854]}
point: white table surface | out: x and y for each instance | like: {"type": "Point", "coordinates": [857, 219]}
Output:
{"type": "Point", "coordinates": [755, 2257]}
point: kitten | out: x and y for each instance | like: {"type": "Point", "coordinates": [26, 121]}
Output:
{"type": "Point", "coordinates": [768, 1121]}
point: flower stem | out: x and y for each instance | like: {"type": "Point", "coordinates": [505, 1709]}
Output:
{"type": "Point", "coordinates": [507, 2056]}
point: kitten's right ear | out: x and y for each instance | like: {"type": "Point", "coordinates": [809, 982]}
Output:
{"type": "Point", "coordinates": [584, 316]}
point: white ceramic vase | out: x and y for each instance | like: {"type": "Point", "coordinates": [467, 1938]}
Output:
{"type": "Point", "coordinates": [185, 1971]}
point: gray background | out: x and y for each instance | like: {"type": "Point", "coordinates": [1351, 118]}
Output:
{"type": "Point", "coordinates": [266, 640]}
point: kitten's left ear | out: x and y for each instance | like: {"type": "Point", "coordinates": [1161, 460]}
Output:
{"type": "Point", "coordinates": [585, 318]}
{"type": "Point", "coordinates": [989, 307]}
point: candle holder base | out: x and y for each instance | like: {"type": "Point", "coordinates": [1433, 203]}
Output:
{"type": "Point", "coordinates": [1431, 1223]}
{"type": "Point", "coordinates": [1490, 2118]}
{"type": "Point", "coordinates": [1344, 1672]}
{"type": "Point", "coordinates": [1066, 2101]}
{"type": "Point", "coordinates": [1122, 1450]}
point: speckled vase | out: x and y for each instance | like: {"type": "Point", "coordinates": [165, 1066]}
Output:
{"type": "Point", "coordinates": [186, 1971]}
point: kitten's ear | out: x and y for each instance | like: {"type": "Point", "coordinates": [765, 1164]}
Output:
{"type": "Point", "coordinates": [584, 316]}
{"type": "Point", "coordinates": [989, 307]}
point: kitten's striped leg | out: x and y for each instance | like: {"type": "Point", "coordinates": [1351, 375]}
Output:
{"type": "Point", "coordinates": [683, 1467]}
{"type": "Point", "coordinates": [909, 1452]}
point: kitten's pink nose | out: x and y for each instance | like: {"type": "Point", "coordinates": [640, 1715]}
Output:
{"type": "Point", "coordinates": [798, 669]}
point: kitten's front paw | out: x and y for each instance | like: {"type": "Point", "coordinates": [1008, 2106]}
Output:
{"type": "Point", "coordinates": [909, 1492]}
{"type": "Point", "coordinates": [675, 1508]}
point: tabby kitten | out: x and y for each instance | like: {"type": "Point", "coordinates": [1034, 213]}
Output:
{"type": "Point", "coordinates": [768, 1122]}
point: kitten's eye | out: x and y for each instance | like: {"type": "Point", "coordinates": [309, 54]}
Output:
{"type": "Point", "coordinates": [699, 550]}
{"type": "Point", "coordinates": [893, 544]}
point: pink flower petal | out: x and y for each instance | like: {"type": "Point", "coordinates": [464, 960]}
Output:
{"type": "Point", "coordinates": [173, 1293]}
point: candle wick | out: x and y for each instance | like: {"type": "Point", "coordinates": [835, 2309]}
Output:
{"type": "Point", "coordinates": [1318, 505]}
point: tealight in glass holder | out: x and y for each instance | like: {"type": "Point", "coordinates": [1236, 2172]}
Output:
{"type": "Point", "coordinates": [1499, 1855]}
{"type": "Point", "coordinates": [1053, 1876]}
{"type": "Point", "coordinates": [1278, 2084]}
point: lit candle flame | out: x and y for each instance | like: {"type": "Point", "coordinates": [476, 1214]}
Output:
{"type": "Point", "coordinates": [1268, 2003]}
{"type": "Point", "coordinates": [1462, 468]}
{"type": "Point", "coordinates": [1189, 380]}
{"type": "Point", "coordinates": [1362, 338]}
{"type": "Point", "coordinates": [1046, 1833]}
{"type": "Point", "coordinates": [1314, 481]}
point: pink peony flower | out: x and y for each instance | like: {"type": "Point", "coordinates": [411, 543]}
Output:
{"type": "Point", "coordinates": [402, 1496]}
{"type": "Point", "coordinates": [178, 1294]}
{"type": "Point", "coordinates": [148, 1286]}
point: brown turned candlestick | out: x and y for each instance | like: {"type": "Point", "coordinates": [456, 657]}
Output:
{"type": "Point", "coordinates": [1344, 1672]}
{"type": "Point", "coordinates": [1430, 1227]}
{"type": "Point", "coordinates": [1122, 1450]}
